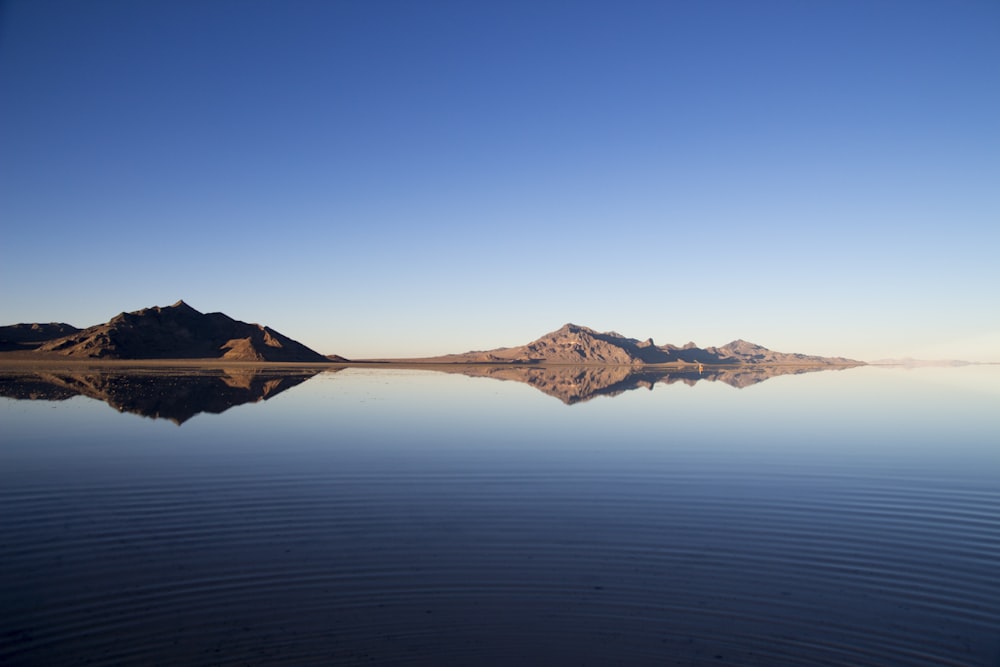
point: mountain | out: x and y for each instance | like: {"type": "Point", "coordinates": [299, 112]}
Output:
{"type": "Point", "coordinates": [30, 336]}
{"type": "Point", "coordinates": [743, 352]}
{"type": "Point", "coordinates": [180, 332]}
{"type": "Point", "coordinates": [574, 344]}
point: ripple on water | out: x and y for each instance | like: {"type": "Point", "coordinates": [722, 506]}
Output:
{"type": "Point", "coordinates": [588, 567]}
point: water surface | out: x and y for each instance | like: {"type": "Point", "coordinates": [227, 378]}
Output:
{"type": "Point", "coordinates": [403, 516]}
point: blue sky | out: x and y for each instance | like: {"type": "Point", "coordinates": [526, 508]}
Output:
{"type": "Point", "coordinates": [411, 178]}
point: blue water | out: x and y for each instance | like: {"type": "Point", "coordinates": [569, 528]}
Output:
{"type": "Point", "coordinates": [396, 516]}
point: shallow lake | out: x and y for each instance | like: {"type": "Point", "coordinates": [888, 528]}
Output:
{"type": "Point", "coordinates": [409, 516]}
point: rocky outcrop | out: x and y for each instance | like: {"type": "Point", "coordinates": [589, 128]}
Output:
{"type": "Point", "coordinates": [180, 332]}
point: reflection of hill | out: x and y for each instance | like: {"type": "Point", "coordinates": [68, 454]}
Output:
{"type": "Point", "coordinates": [159, 395]}
{"type": "Point", "coordinates": [33, 388]}
{"type": "Point", "coordinates": [575, 384]}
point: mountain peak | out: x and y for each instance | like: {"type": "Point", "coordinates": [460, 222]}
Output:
{"type": "Point", "coordinates": [180, 332]}
{"type": "Point", "coordinates": [740, 344]}
{"type": "Point", "coordinates": [575, 344]}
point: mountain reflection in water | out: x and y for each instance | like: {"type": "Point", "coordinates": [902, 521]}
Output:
{"type": "Point", "coordinates": [576, 384]}
{"type": "Point", "coordinates": [179, 395]}
{"type": "Point", "coordinates": [391, 515]}
{"type": "Point", "coordinates": [176, 395]}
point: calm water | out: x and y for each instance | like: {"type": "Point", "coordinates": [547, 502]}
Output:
{"type": "Point", "coordinates": [392, 516]}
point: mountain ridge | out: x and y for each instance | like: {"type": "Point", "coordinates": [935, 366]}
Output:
{"type": "Point", "coordinates": [576, 344]}
{"type": "Point", "coordinates": [179, 331]}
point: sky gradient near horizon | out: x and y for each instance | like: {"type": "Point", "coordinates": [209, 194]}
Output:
{"type": "Point", "coordinates": [397, 178]}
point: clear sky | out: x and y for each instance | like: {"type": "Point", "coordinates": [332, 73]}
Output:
{"type": "Point", "coordinates": [406, 178]}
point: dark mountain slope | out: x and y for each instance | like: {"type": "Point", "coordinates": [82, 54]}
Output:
{"type": "Point", "coordinates": [180, 332]}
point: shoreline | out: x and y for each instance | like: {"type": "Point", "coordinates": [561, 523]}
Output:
{"type": "Point", "coordinates": [24, 361]}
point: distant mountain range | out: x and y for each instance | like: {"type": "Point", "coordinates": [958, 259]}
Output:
{"type": "Point", "coordinates": [575, 344]}
{"type": "Point", "coordinates": [181, 332]}
{"type": "Point", "coordinates": [172, 332]}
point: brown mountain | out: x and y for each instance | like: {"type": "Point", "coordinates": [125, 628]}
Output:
{"type": "Point", "coordinates": [180, 332]}
{"type": "Point", "coordinates": [743, 352]}
{"type": "Point", "coordinates": [574, 344]}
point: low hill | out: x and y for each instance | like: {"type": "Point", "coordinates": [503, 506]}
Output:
{"type": "Point", "coordinates": [180, 332]}
{"type": "Point", "coordinates": [30, 336]}
{"type": "Point", "coordinates": [575, 344]}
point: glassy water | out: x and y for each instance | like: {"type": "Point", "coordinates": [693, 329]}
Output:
{"type": "Point", "coordinates": [557, 517]}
